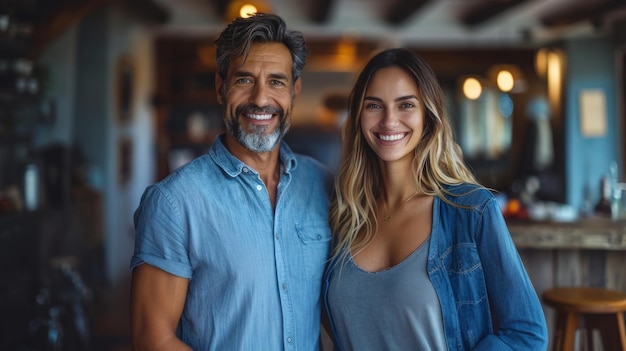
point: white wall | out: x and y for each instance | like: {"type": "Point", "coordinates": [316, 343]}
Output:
{"type": "Point", "coordinates": [127, 38]}
{"type": "Point", "coordinates": [82, 66]}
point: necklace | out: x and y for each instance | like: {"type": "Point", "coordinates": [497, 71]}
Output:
{"type": "Point", "coordinates": [387, 217]}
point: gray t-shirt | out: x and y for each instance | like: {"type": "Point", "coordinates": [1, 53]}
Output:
{"type": "Point", "coordinates": [394, 309]}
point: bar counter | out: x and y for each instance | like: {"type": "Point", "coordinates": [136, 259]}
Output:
{"type": "Point", "coordinates": [588, 252]}
{"type": "Point", "coordinates": [595, 233]}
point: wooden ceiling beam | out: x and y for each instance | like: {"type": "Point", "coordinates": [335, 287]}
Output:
{"type": "Point", "coordinates": [581, 11]}
{"type": "Point", "coordinates": [401, 11]}
{"type": "Point", "coordinates": [65, 17]}
{"type": "Point", "coordinates": [485, 10]}
{"type": "Point", "coordinates": [146, 11]}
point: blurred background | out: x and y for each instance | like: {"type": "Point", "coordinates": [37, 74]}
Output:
{"type": "Point", "coordinates": [100, 98]}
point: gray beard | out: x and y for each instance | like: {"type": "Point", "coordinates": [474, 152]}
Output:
{"type": "Point", "coordinates": [256, 140]}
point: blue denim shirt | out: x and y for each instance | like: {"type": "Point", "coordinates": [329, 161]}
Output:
{"type": "Point", "coordinates": [487, 299]}
{"type": "Point", "coordinates": [255, 273]}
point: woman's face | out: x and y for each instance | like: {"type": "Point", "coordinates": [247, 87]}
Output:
{"type": "Point", "coordinates": [392, 118]}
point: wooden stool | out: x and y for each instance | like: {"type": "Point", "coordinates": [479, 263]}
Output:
{"type": "Point", "coordinates": [597, 308]}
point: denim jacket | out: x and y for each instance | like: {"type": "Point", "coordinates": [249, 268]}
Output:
{"type": "Point", "coordinates": [487, 299]}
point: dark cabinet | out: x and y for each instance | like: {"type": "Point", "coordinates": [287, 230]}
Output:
{"type": "Point", "coordinates": [19, 252]}
{"type": "Point", "coordinates": [20, 109]}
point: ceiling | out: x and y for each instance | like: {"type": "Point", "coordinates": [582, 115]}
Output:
{"type": "Point", "coordinates": [450, 23]}
{"type": "Point", "coordinates": [424, 22]}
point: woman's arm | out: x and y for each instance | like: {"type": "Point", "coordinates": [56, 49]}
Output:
{"type": "Point", "coordinates": [516, 306]}
{"type": "Point", "coordinates": [156, 304]}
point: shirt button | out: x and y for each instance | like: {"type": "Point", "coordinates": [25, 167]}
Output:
{"type": "Point", "coordinates": [284, 286]}
{"type": "Point", "coordinates": [258, 187]}
{"type": "Point", "coordinates": [289, 340]}
{"type": "Point", "coordinates": [245, 170]}
{"type": "Point", "coordinates": [319, 237]}
{"type": "Point", "coordinates": [277, 236]}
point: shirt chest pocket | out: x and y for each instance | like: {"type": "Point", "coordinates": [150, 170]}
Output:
{"type": "Point", "coordinates": [314, 237]}
{"type": "Point", "coordinates": [465, 271]}
{"type": "Point", "coordinates": [314, 232]}
{"type": "Point", "coordinates": [467, 280]}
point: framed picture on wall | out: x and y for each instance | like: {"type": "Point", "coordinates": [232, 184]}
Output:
{"type": "Point", "coordinates": [125, 161]}
{"type": "Point", "coordinates": [124, 86]}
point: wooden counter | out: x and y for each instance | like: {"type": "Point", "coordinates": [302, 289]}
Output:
{"type": "Point", "coordinates": [590, 252]}
{"type": "Point", "coordinates": [593, 233]}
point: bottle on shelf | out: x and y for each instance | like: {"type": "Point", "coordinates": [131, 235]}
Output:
{"type": "Point", "coordinates": [616, 193]}
{"type": "Point", "coordinates": [604, 204]}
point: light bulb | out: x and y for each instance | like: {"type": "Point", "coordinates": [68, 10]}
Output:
{"type": "Point", "coordinates": [247, 10]}
{"type": "Point", "coordinates": [505, 81]}
{"type": "Point", "coordinates": [472, 88]}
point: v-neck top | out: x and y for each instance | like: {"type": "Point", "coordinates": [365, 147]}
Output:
{"type": "Point", "coordinates": [393, 309]}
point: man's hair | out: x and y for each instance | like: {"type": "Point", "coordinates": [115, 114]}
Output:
{"type": "Point", "coordinates": [236, 39]}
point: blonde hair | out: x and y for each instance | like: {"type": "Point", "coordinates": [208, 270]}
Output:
{"type": "Point", "coordinates": [437, 160]}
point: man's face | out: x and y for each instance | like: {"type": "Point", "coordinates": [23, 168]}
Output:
{"type": "Point", "coordinates": [257, 96]}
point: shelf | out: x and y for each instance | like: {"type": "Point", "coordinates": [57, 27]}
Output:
{"type": "Point", "coordinates": [12, 47]}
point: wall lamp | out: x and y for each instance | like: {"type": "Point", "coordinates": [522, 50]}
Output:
{"type": "Point", "coordinates": [550, 65]}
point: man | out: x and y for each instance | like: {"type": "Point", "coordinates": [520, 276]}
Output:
{"type": "Point", "coordinates": [230, 248]}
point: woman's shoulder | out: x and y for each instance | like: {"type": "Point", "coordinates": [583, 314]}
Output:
{"type": "Point", "coordinates": [468, 194]}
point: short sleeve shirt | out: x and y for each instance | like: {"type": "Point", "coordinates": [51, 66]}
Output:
{"type": "Point", "coordinates": [255, 272]}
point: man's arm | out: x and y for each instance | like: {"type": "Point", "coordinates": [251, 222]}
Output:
{"type": "Point", "coordinates": [157, 299]}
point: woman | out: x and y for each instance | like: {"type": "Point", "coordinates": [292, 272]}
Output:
{"type": "Point", "coordinates": [423, 259]}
